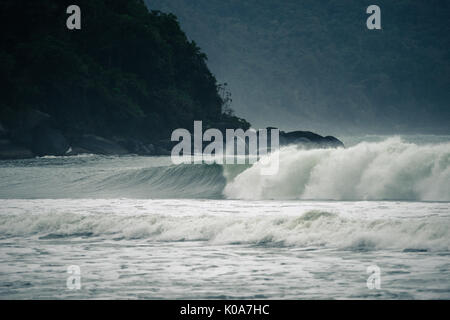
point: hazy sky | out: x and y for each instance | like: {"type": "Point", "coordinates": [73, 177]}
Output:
{"type": "Point", "coordinates": [314, 65]}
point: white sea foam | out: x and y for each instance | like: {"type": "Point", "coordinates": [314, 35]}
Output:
{"type": "Point", "coordinates": [388, 170]}
{"type": "Point", "coordinates": [252, 224]}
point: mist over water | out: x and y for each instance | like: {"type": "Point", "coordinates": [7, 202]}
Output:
{"type": "Point", "coordinates": [313, 65]}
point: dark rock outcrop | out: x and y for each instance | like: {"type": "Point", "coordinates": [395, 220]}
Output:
{"type": "Point", "coordinates": [309, 139]}
{"type": "Point", "coordinates": [22, 131]}
{"type": "Point", "coordinates": [164, 147]}
{"type": "Point", "coordinates": [74, 151]}
{"type": "Point", "coordinates": [49, 141]}
{"type": "Point", "coordinates": [99, 145]}
{"type": "Point", "coordinates": [37, 134]}
{"type": "Point", "coordinates": [137, 147]}
{"type": "Point", "coordinates": [161, 151]}
{"type": "Point", "coordinates": [333, 142]}
{"type": "Point", "coordinates": [9, 151]}
{"type": "Point", "coordinates": [35, 131]}
{"type": "Point", "coordinates": [3, 132]}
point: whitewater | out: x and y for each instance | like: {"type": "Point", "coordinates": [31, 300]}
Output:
{"type": "Point", "coordinates": [140, 227]}
{"type": "Point", "coordinates": [388, 170]}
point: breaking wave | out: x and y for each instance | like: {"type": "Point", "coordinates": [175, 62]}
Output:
{"type": "Point", "coordinates": [313, 229]}
{"type": "Point", "coordinates": [388, 170]}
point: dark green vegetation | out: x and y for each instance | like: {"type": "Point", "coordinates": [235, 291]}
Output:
{"type": "Point", "coordinates": [313, 64]}
{"type": "Point", "coordinates": [127, 74]}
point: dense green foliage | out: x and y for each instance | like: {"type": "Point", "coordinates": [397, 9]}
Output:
{"type": "Point", "coordinates": [128, 72]}
{"type": "Point", "coordinates": [313, 64]}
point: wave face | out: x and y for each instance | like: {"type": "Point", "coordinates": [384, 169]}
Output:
{"type": "Point", "coordinates": [99, 177]}
{"type": "Point", "coordinates": [121, 220]}
{"type": "Point", "coordinates": [388, 170]}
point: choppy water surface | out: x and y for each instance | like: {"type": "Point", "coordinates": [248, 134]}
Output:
{"type": "Point", "coordinates": [219, 248]}
{"type": "Point", "coordinates": [141, 228]}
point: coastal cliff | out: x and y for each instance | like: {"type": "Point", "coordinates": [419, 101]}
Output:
{"type": "Point", "coordinates": [119, 85]}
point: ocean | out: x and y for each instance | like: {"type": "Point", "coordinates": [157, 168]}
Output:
{"type": "Point", "coordinates": [142, 228]}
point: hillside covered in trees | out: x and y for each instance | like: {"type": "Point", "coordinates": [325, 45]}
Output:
{"type": "Point", "coordinates": [313, 64]}
{"type": "Point", "coordinates": [127, 74]}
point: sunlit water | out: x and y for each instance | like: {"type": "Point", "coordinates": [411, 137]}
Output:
{"type": "Point", "coordinates": [141, 228]}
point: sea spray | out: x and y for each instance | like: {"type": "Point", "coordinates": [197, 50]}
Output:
{"type": "Point", "coordinates": [388, 170]}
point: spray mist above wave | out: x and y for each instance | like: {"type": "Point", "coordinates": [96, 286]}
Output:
{"type": "Point", "coordinates": [388, 170]}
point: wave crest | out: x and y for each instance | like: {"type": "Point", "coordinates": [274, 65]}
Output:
{"type": "Point", "coordinates": [388, 170]}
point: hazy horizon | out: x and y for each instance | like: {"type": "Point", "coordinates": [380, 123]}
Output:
{"type": "Point", "coordinates": [315, 66]}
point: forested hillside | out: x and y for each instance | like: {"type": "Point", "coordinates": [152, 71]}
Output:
{"type": "Point", "coordinates": [128, 73]}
